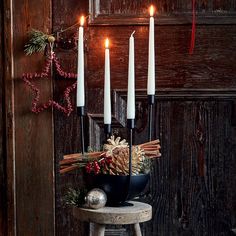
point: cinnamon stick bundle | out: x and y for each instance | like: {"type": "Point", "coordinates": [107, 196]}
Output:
{"type": "Point", "coordinates": [77, 160]}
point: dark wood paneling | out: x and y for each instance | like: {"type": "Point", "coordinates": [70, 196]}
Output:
{"type": "Point", "coordinates": [167, 12]}
{"type": "Point", "coordinates": [191, 185]}
{"type": "Point", "coordinates": [34, 157]}
{"type": "Point", "coordinates": [191, 182]}
{"type": "Point", "coordinates": [66, 13]}
{"type": "Point", "coordinates": [3, 207]}
{"type": "Point", "coordinates": [9, 118]}
{"type": "Point", "coordinates": [119, 97]}
{"type": "Point", "coordinates": [67, 129]}
{"type": "Point", "coordinates": [211, 65]}
{"type": "Point", "coordinates": [137, 7]}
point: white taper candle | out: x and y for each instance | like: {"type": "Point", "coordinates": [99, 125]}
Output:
{"type": "Point", "coordinates": [131, 82]}
{"type": "Point", "coordinates": [80, 101]}
{"type": "Point", "coordinates": [107, 92]}
{"type": "Point", "coordinates": [151, 56]}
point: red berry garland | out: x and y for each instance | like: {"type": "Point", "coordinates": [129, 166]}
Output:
{"type": "Point", "coordinates": [27, 77]}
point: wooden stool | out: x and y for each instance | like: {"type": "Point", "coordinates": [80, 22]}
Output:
{"type": "Point", "coordinates": [137, 213]}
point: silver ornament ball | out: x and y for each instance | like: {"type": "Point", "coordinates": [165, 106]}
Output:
{"type": "Point", "coordinates": [96, 198]}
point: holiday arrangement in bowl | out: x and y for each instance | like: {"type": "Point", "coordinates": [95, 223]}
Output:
{"type": "Point", "coordinates": [109, 169]}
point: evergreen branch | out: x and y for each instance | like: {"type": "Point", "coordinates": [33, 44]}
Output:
{"type": "Point", "coordinates": [75, 197]}
{"type": "Point", "coordinates": [37, 41]}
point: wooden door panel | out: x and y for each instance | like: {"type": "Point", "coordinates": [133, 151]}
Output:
{"type": "Point", "coordinates": [191, 185]}
{"type": "Point", "coordinates": [138, 7]}
{"type": "Point", "coordinates": [33, 157]}
{"type": "Point", "coordinates": [168, 12]}
{"type": "Point", "coordinates": [175, 68]}
{"type": "Point", "coordinates": [3, 181]}
{"type": "Point", "coordinates": [67, 131]}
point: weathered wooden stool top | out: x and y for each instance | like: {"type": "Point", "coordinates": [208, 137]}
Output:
{"type": "Point", "coordinates": [138, 213]}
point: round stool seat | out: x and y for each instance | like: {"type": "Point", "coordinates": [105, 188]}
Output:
{"type": "Point", "coordinates": [137, 213]}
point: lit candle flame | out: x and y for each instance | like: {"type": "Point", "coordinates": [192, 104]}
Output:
{"type": "Point", "coordinates": [152, 10]}
{"type": "Point", "coordinates": [81, 20]}
{"type": "Point", "coordinates": [107, 43]}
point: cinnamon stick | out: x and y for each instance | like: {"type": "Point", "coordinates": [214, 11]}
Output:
{"type": "Point", "coordinates": [80, 155]}
{"type": "Point", "coordinates": [70, 168]}
{"type": "Point", "coordinates": [77, 160]}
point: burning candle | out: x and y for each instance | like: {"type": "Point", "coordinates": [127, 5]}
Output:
{"type": "Point", "coordinates": [80, 69]}
{"type": "Point", "coordinates": [151, 56]}
{"type": "Point", "coordinates": [131, 83]}
{"type": "Point", "coordinates": [107, 93]}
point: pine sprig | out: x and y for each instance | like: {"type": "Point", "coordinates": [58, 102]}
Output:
{"type": "Point", "coordinates": [37, 42]}
{"type": "Point", "coordinates": [75, 197]}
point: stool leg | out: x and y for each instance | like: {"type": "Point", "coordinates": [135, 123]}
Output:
{"type": "Point", "coordinates": [137, 230]}
{"type": "Point", "coordinates": [99, 230]}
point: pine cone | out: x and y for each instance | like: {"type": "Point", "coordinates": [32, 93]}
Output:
{"type": "Point", "coordinates": [119, 151]}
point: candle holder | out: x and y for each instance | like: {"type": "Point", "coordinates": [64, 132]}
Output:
{"type": "Point", "coordinates": [80, 113]}
{"type": "Point", "coordinates": [151, 102]}
{"type": "Point", "coordinates": [120, 188]}
{"type": "Point", "coordinates": [130, 126]}
{"type": "Point", "coordinates": [112, 169]}
{"type": "Point", "coordinates": [107, 130]}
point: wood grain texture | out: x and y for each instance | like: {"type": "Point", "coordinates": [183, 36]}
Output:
{"type": "Point", "coordinates": [191, 185]}
{"type": "Point", "coordinates": [67, 129]}
{"type": "Point", "coordinates": [8, 107]}
{"type": "Point", "coordinates": [186, 201]}
{"type": "Point", "coordinates": [137, 7]}
{"type": "Point", "coordinates": [167, 12]}
{"type": "Point", "coordinates": [3, 195]}
{"type": "Point", "coordinates": [67, 140]}
{"type": "Point", "coordinates": [34, 157]}
{"type": "Point", "coordinates": [119, 97]}
{"type": "Point", "coordinates": [137, 213]}
{"type": "Point", "coordinates": [211, 66]}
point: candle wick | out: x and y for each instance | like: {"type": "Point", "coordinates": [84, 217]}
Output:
{"type": "Point", "coordinates": [133, 33]}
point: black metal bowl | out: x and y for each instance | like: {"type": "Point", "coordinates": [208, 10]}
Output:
{"type": "Point", "coordinates": [118, 188]}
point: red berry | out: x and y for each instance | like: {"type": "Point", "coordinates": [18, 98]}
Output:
{"type": "Point", "coordinates": [88, 168]}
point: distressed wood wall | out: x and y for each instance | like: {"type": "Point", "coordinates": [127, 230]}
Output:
{"type": "Point", "coordinates": [28, 141]}
{"type": "Point", "coordinates": [163, 6]}
{"type": "Point", "coordinates": [2, 132]}
{"type": "Point", "coordinates": [194, 108]}
{"type": "Point", "coordinates": [192, 187]}
{"type": "Point", "coordinates": [34, 157]}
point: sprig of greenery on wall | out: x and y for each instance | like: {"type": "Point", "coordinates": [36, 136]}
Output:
{"type": "Point", "coordinates": [38, 41]}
